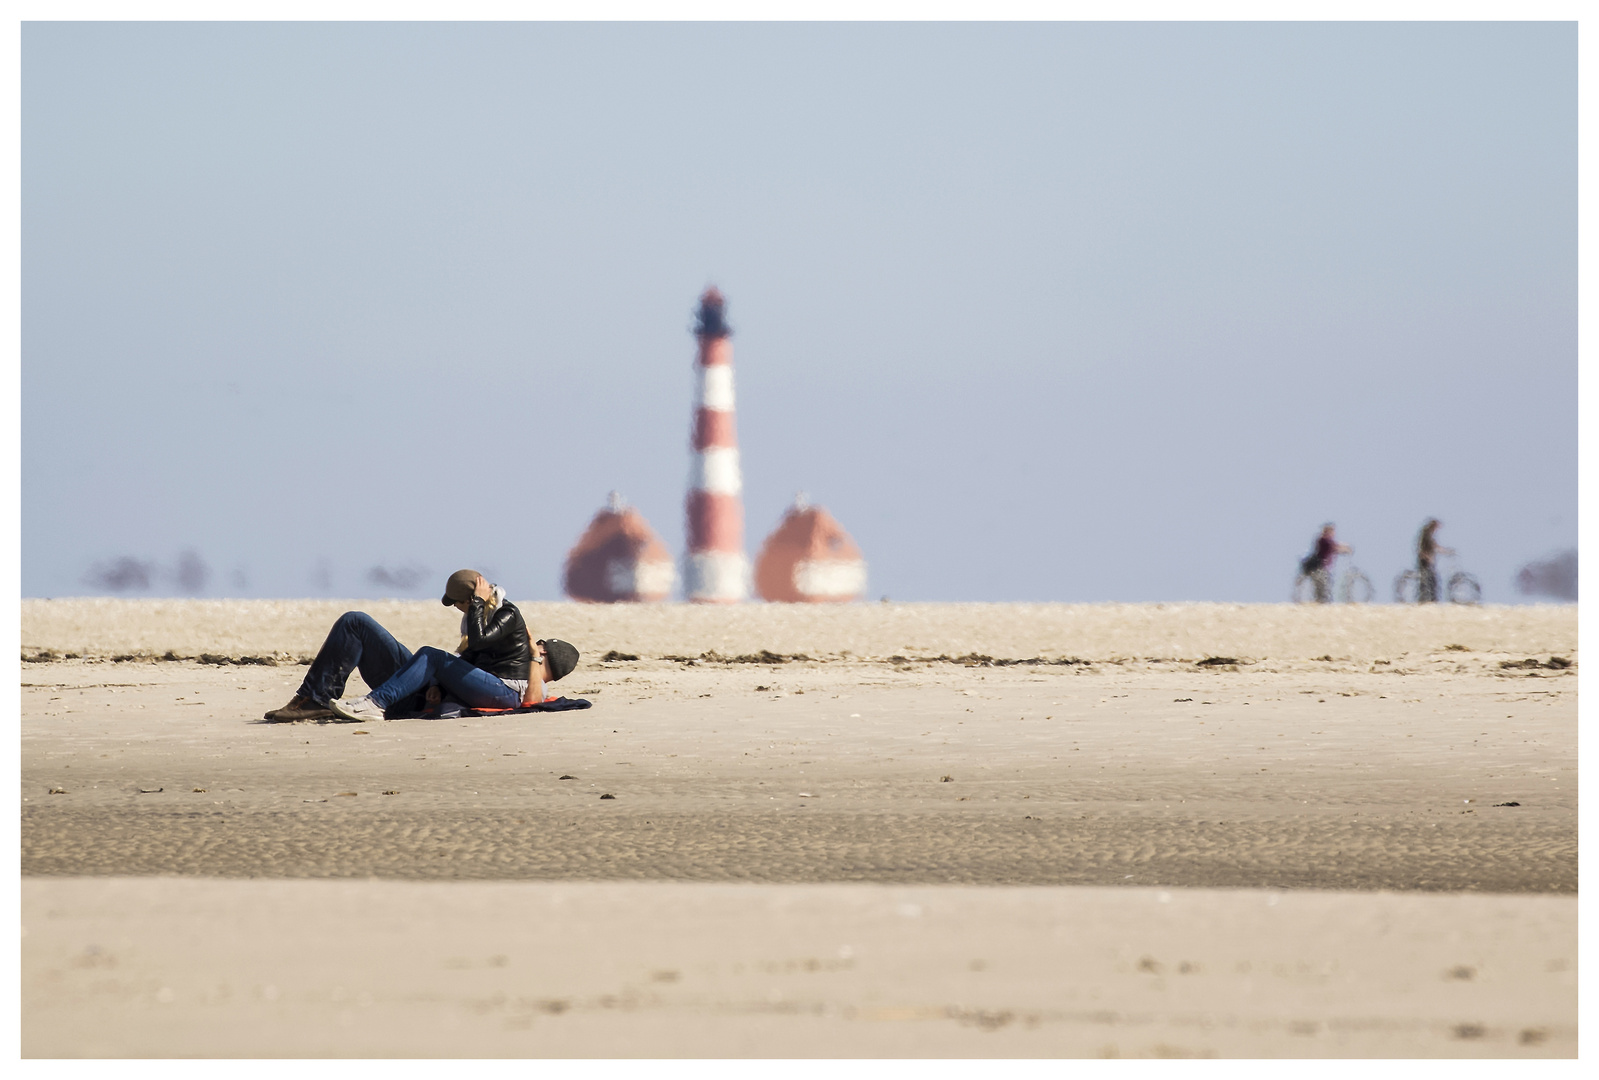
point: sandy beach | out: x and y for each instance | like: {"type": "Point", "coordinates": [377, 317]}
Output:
{"type": "Point", "coordinates": [1308, 788]}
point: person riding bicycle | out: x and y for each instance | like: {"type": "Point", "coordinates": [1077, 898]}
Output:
{"type": "Point", "coordinates": [1427, 551]}
{"type": "Point", "coordinates": [1317, 566]}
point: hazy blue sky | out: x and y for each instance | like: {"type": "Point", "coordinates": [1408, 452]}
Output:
{"type": "Point", "coordinates": [1040, 312]}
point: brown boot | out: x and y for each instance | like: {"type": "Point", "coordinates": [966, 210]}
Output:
{"type": "Point", "coordinates": [299, 708]}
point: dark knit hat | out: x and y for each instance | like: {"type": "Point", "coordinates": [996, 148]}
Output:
{"type": "Point", "coordinates": [562, 657]}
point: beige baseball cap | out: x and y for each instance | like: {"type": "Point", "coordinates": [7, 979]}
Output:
{"type": "Point", "coordinates": [461, 586]}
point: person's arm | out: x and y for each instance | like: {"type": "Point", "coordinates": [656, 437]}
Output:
{"type": "Point", "coordinates": [535, 674]}
{"type": "Point", "coordinates": [483, 631]}
{"type": "Point", "coordinates": [484, 590]}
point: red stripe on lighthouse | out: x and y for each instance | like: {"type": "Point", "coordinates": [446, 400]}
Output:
{"type": "Point", "coordinates": [715, 350]}
{"type": "Point", "coordinates": [715, 522]}
{"type": "Point", "coordinates": [713, 427]}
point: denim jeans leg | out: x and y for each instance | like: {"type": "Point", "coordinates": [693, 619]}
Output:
{"type": "Point", "coordinates": [473, 687]}
{"type": "Point", "coordinates": [356, 641]}
{"type": "Point", "coordinates": [415, 676]}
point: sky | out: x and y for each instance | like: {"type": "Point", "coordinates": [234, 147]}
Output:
{"type": "Point", "coordinates": [1040, 312]}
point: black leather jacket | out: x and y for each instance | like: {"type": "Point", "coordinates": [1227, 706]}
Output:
{"type": "Point", "coordinates": [497, 641]}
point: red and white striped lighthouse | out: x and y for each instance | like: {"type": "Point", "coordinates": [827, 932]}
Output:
{"type": "Point", "coordinates": [715, 570]}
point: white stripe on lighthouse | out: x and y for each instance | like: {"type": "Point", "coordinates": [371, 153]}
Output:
{"type": "Point", "coordinates": [717, 575]}
{"type": "Point", "coordinates": [830, 578]}
{"type": "Point", "coordinates": [715, 469]}
{"type": "Point", "coordinates": [716, 387]}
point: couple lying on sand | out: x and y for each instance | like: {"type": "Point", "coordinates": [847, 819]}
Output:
{"type": "Point", "coordinates": [496, 666]}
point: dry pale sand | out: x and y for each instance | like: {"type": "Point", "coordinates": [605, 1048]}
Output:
{"type": "Point", "coordinates": [210, 967]}
{"type": "Point", "coordinates": [1350, 748]}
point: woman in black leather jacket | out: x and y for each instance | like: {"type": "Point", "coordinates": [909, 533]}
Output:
{"type": "Point", "coordinates": [494, 637]}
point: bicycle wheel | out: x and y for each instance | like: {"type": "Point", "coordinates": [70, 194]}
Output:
{"type": "Point", "coordinates": [1304, 589]}
{"type": "Point", "coordinates": [1406, 587]}
{"type": "Point", "coordinates": [1463, 589]}
{"type": "Point", "coordinates": [1355, 587]}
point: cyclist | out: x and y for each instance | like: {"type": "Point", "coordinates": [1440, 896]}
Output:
{"type": "Point", "coordinates": [1427, 551]}
{"type": "Point", "coordinates": [1317, 566]}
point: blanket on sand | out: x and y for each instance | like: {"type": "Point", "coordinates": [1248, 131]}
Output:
{"type": "Point", "coordinates": [549, 704]}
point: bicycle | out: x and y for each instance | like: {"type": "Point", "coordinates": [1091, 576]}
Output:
{"type": "Point", "coordinates": [1460, 588]}
{"type": "Point", "coordinates": [1353, 586]}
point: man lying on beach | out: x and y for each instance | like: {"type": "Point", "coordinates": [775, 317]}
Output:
{"type": "Point", "coordinates": [495, 668]}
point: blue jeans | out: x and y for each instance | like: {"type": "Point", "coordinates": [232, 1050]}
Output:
{"type": "Point", "coordinates": [355, 642]}
{"type": "Point", "coordinates": [471, 686]}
